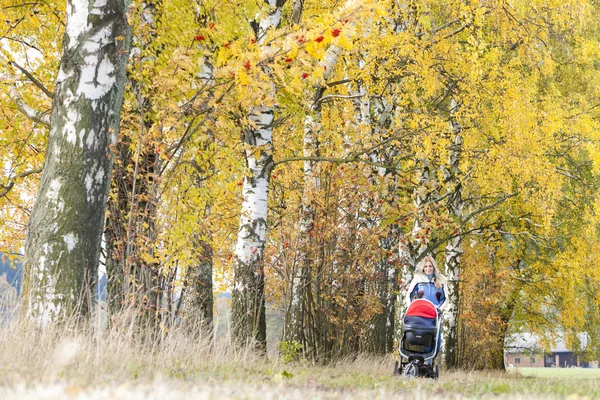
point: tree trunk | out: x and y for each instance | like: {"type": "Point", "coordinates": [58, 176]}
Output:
{"type": "Point", "coordinates": [131, 225]}
{"type": "Point", "coordinates": [381, 337]}
{"type": "Point", "coordinates": [203, 287]}
{"type": "Point", "coordinates": [301, 275]}
{"type": "Point", "coordinates": [203, 298]}
{"type": "Point", "coordinates": [453, 249]}
{"type": "Point", "coordinates": [407, 272]}
{"type": "Point", "coordinates": [450, 321]}
{"type": "Point", "coordinates": [65, 228]}
{"type": "Point", "coordinates": [248, 298]}
{"type": "Point", "coordinates": [299, 306]}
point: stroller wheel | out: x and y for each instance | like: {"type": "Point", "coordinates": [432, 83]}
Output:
{"type": "Point", "coordinates": [412, 369]}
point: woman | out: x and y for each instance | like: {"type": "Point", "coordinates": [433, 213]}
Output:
{"type": "Point", "coordinates": [428, 284]}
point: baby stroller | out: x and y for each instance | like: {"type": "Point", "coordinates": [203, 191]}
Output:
{"type": "Point", "coordinates": [419, 345]}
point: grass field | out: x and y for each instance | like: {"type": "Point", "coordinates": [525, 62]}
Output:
{"type": "Point", "coordinates": [584, 373]}
{"type": "Point", "coordinates": [239, 378]}
{"type": "Point", "coordinates": [70, 363]}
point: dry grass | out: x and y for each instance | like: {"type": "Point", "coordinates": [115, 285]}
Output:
{"type": "Point", "coordinates": [70, 361]}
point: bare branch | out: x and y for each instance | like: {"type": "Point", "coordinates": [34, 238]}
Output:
{"type": "Point", "coordinates": [336, 96]}
{"type": "Point", "coordinates": [32, 79]}
{"type": "Point", "coordinates": [31, 113]}
{"type": "Point", "coordinates": [335, 160]}
{"type": "Point", "coordinates": [352, 157]}
{"type": "Point", "coordinates": [340, 82]}
{"type": "Point", "coordinates": [488, 207]}
{"type": "Point", "coordinates": [11, 182]}
{"type": "Point", "coordinates": [442, 27]}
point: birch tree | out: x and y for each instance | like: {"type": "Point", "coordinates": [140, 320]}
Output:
{"type": "Point", "coordinates": [454, 246]}
{"type": "Point", "coordinates": [248, 301]}
{"type": "Point", "coordinates": [65, 229]}
{"type": "Point", "coordinates": [297, 325]}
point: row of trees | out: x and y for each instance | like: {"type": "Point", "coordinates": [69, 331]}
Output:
{"type": "Point", "coordinates": [309, 155]}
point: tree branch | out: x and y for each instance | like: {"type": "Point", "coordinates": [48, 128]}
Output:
{"type": "Point", "coordinates": [30, 112]}
{"type": "Point", "coordinates": [11, 183]}
{"type": "Point", "coordinates": [335, 96]}
{"type": "Point", "coordinates": [32, 79]}
{"type": "Point", "coordinates": [352, 157]}
{"type": "Point", "coordinates": [488, 207]}
{"type": "Point", "coordinates": [434, 245]}
{"type": "Point", "coordinates": [340, 82]}
{"type": "Point", "coordinates": [335, 160]}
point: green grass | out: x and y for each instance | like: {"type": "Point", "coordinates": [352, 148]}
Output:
{"type": "Point", "coordinates": [558, 372]}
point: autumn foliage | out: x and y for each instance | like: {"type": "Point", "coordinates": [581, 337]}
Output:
{"type": "Point", "coordinates": [509, 89]}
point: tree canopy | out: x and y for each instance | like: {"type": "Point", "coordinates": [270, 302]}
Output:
{"type": "Point", "coordinates": [417, 122]}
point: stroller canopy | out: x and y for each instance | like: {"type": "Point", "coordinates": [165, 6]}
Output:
{"type": "Point", "coordinates": [421, 308]}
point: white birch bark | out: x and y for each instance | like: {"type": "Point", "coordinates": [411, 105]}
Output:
{"type": "Point", "coordinates": [411, 252]}
{"type": "Point", "coordinates": [248, 301]}
{"type": "Point", "coordinates": [65, 228]}
{"type": "Point", "coordinates": [453, 247]}
{"type": "Point", "coordinates": [407, 272]}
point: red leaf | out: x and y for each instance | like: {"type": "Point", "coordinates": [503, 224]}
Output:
{"type": "Point", "coordinates": [289, 60]}
{"type": "Point", "coordinates": [247, 65]}
{"type": "Point", "coordinates": [199, 37]}
{"type": "Point", "coordinates": [305, 75]}
{"type": "Point", "coordinates": [336, 32]}
{"type": "Point", "coordinates": [319, 39]}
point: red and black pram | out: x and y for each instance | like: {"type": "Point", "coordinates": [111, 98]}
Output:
{"type": "Point", "coordinates": [421, 335]}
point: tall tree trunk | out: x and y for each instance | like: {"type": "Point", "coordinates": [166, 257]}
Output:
{"type": "Point", "coordinates": [203, 287]}
{"type": "Point", "coordinates": [381, 336]}
{"type": "Point", "coordinates": [248, 301]}
{"type": "Point", "coordinates": [248, 298]}
{"type": "Point", "coordinates": [65, 229]}
{"type": "Point", "coordinates": [453, 249]}
{"type": "Point", "coordinates": [299, 306]}
{"type": "Point", "coordinates": [131, 225]}
{"type": "Point", "coordinates": [203, 300]}
{"type": "Point", "coordinates": [376, 115]}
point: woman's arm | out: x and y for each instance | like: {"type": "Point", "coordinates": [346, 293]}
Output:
{"type": "Point", "coordinates": [411, 289]}
{"type": "Point", "coordinates": [444, 305]}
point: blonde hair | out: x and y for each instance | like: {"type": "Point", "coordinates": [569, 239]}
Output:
{"type": "Point", "coordinates": [439, 278]}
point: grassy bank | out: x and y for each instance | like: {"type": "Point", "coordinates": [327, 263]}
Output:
{"type": "Point", "coordinates": [69, 362]}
